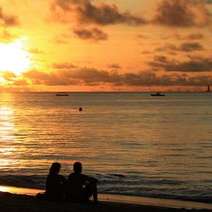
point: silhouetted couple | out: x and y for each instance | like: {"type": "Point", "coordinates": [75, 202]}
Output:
{"type": "Point", "coordinates": [78, 187]}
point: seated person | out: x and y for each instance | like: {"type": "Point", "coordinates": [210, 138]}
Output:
{"type": "Point", "coordinates": [80, 187]}
{"type": "Point", "coordinates": [55, 183]}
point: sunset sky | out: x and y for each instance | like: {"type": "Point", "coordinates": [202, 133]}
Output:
{"type": "Point", "coordinates": [105, 45]}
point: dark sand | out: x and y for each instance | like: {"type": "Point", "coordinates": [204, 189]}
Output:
{"type": "Point", "coordinates": [108, 203]}
{"type": "Point", "coordinates": [22, 203]}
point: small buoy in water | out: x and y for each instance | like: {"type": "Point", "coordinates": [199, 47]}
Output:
{"type": "Point", "coordinates": [80, 109]}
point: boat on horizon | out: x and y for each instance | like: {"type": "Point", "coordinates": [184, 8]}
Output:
{"type": "Point", "coordinates": [62, 94]}
{"type": "Point", "coordinates": [157, 94]}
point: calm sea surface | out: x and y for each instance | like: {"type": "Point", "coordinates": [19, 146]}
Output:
{"type": "Point", "coordinates": [132, 142]}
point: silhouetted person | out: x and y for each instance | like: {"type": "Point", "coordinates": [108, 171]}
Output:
{"type": "Point", "coordinates": [80, 187]}
{"type": "Point", "coordinates": [55, 183]}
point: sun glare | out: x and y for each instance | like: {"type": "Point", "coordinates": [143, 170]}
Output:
{"type": "Point", "coordinates": [13, 57]}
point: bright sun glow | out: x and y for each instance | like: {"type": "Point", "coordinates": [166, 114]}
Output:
{"type": "Point", "coordinates": [13, 57]}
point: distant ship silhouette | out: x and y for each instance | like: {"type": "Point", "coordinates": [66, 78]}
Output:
{"type": "Point", "coordinates": [62, 94]}
{"type": "Point", "coordinates": [157, 94]}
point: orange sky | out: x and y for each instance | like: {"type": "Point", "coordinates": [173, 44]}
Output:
{"type": "Point", "coordinates": [96, 45]}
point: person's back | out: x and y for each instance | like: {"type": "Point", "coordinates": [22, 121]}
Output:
{"type": "Point", "coordinates": [55, 184]}
{"type": "Point", "coordinates": [80, 187]}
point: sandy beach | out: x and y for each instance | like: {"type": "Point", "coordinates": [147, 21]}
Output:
{"type": "Point", "coordinates": [23, 199]}
{"type": "Point", "coordinates": [22, 203]}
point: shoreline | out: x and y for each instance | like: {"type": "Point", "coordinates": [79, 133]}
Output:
{"type": "Point", "coordinates": [119, 199]}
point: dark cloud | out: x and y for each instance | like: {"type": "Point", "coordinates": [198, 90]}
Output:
{"type": "Point", "coordinates": [167, 47]}
{"type": "Point", "coordinates": [193, 64]}
{"type": "Point", "coordinates": [95, 77]}
{"type": "Point", "coordinates": [191, 46]}
{"type": "Point", "coordinates": [182, 13]}
{"type": "Point", "coordinates": [114, 66]}
{"type": "Point", "coordinates": [202, 80]}
{"type": "Point", "coordinates": [195, 36]}
{"type": "Point", "coordinates": [102, 14]}
{"type": "Point", "coordinates": [184, 47]}
{"type": "Point", "coordinates": [189, 37]}
{"type": "Point", "coordinates": [55, 78]}
{"type": "Point", "coordinates": [92, 77]}
{"type": "Point", "coordinates": [91, 34]}
{"type": "Point", "coordinates": [7, 20]}
{"type": "Point", "coordinates": [171, 13]}
{"type": "Point", "coordinates": [142, 36]}
{"type": "Point", "coordinates": [63, 66]}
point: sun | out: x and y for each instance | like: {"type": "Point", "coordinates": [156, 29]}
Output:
{"type": "Point", "coordinates": [14, 57]}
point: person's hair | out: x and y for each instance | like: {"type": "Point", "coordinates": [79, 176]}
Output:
{"type": "Point", "coordinates": [55, 168]}
{"type": "Point", "coordinates": [77, 167]}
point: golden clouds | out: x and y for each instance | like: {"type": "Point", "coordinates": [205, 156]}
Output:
{"type": "Point", "coordinates": [192, 64]}
{"type": "Point", "coordinates": [182, 13]}
{"type": "Point", "coordinates": [7, 20]}
{"type": "Point", "coordinates": [102, 14]}
{"type": "Point", "coordinates": [173, 13]}
{"type": "Point", "coordinates": [91, 77]}
{"type": "Point", "coordinates": [93, 34]}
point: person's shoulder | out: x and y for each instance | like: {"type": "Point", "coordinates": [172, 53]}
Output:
{"type": "Point", "coordinates": [71, 176]}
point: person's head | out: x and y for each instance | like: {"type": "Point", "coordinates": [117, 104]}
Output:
{"type": "Point", "coordinates": [77, 167]}
{"type": "Point", "coordinates": [55, 168]}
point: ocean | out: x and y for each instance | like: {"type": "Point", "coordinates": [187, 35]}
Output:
{"type": "Point", "coordinates": [134, 143]}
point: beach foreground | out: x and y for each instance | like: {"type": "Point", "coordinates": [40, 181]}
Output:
{"type": "Point", "coordinates": [26, 203]}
